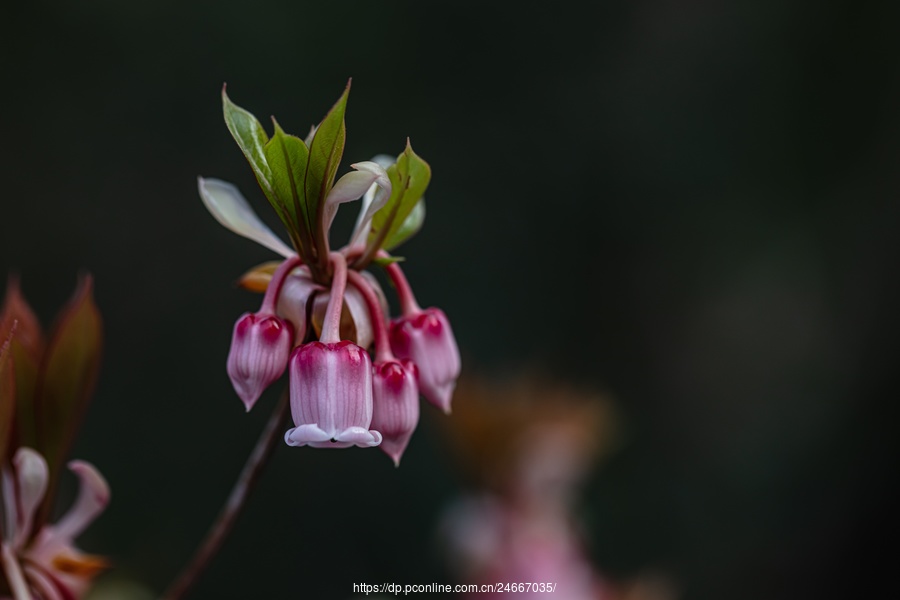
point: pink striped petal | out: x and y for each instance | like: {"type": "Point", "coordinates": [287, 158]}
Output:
{"type": "Point", "coordinates": [14, 576]}
{"type": "Point", "coordinates": [31, 475]}
{"type": "Point", "coordinates": [93, 496]}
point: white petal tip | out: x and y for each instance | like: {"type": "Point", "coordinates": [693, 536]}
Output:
{"type": "Point", "coordinates": [91, 477]}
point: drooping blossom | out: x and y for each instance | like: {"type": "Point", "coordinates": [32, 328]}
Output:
{"type": "Point", "coordinates": [396, 405]}
{"type": "Point", "coordinates": [261, 344]}
{"type": "Point", "coordinates": [331, 384]}
{"type": "Point", "coordinates": [394, 385]}
{"type": "Point", "coordinates": [335, 340]}
{"type": "Point", "coordinates": [426, 339]}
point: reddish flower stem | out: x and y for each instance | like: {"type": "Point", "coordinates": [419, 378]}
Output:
{"type": "Point", "coordinates": [382, 344]}
{"type": "Point", "coordinates": [331, 328]}
{"type": "Point", "coordinates": [408, 303]}
{"type": "Point", "coordinates": [234, 505]}
{"type": "Point", "coordinates": [270, 300]}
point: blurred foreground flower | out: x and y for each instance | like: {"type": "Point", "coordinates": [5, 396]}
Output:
{"type": "Point", "coordinates": [45, 386]}
{"type": "Point", "coordinates": [530, 445]}
{"type": "Point", "coordinates": [323, 313]}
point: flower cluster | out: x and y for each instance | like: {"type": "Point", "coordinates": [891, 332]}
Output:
{"type": "Point", "coordinates": [45, 385]}
{"type": "Point", "coordinates": [354, 374]}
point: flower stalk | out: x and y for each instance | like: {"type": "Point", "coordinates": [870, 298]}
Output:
{"type": "Point", "coordinates": [234, 505]}
{"type": "Point", "coordinates": [331, 328]}
{"type": "Point", "coordinates": [382, 341]}
{"type": "Point", "coordinates": [337, 395]}
{"type": "Point", "coordinates": [408, 305]}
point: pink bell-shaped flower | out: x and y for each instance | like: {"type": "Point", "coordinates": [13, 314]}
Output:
{"type": "Point", "coordinates": [331, 383]}
{"type": "Point", "coordinates": [396, 405]}
{"type": "Point", "coordinates": [426, 339]}
{"type": "Point", "coordinates": [331, 396]}
{"type": "Point", "coordinates": [261, 343]}
{"type": "Point", "coordinates": [260, 348]}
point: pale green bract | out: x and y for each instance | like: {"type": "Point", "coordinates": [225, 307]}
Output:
{"type": "Point", "coordinates": [297, 176]}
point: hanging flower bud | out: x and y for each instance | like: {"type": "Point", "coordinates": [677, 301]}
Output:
{"type": "Point", "coordinates": [260, 347]}
{"type": "Point", "coordinates": [426, 339]}
{"type": "Point", "coordinates": [261, 342]}
{"type": "Point", "coordinates": [396, 405]}
{"type": "Point", "coordinates": [331, 396]}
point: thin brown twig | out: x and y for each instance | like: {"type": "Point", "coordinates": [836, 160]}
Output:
{"type": "Point", "coordinates": [234, 505]}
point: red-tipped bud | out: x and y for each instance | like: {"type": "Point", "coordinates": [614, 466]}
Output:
{"type": "Point", "coordinates": [260, 347]}
{"type": "Point", "coordinates": [427, 340]}
{"type": "Point", "coordinates": [396, 405]}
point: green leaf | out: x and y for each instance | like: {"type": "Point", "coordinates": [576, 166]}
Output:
{"type": "Point", "coordinates": [27, 372]}
{"type": "Point", "coordinates": [7, 397]}
{"type": "Point", "coordinates": [309, 136]}
{"type": "Point", "coordinates": [288, 156]}
{"type": "Point", "coordinates": [250, 136]}
{"type": "Point", "coordinates": [29, 334]}
{"type": "Point", "coordinates": [383, 261]}
{"type": "Point", "coordinates": [399, 218]}
{"type": "Point", "coordinates": [252, 139]}
{"type": "Point", "coordinates": [68, 376]}
{"type": "Point", "coordinates": [411, 225]}
{"type": "Point", "coordinates": [27, 349]}
{"type": "Point", "coordinates": [325, 154]}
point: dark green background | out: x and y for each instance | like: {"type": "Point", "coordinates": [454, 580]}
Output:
{"type": "Point", "coordinates": [690, 205]}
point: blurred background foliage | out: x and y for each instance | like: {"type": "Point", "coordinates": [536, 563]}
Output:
{"type": "Point", "coordinates": [688, 207]}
